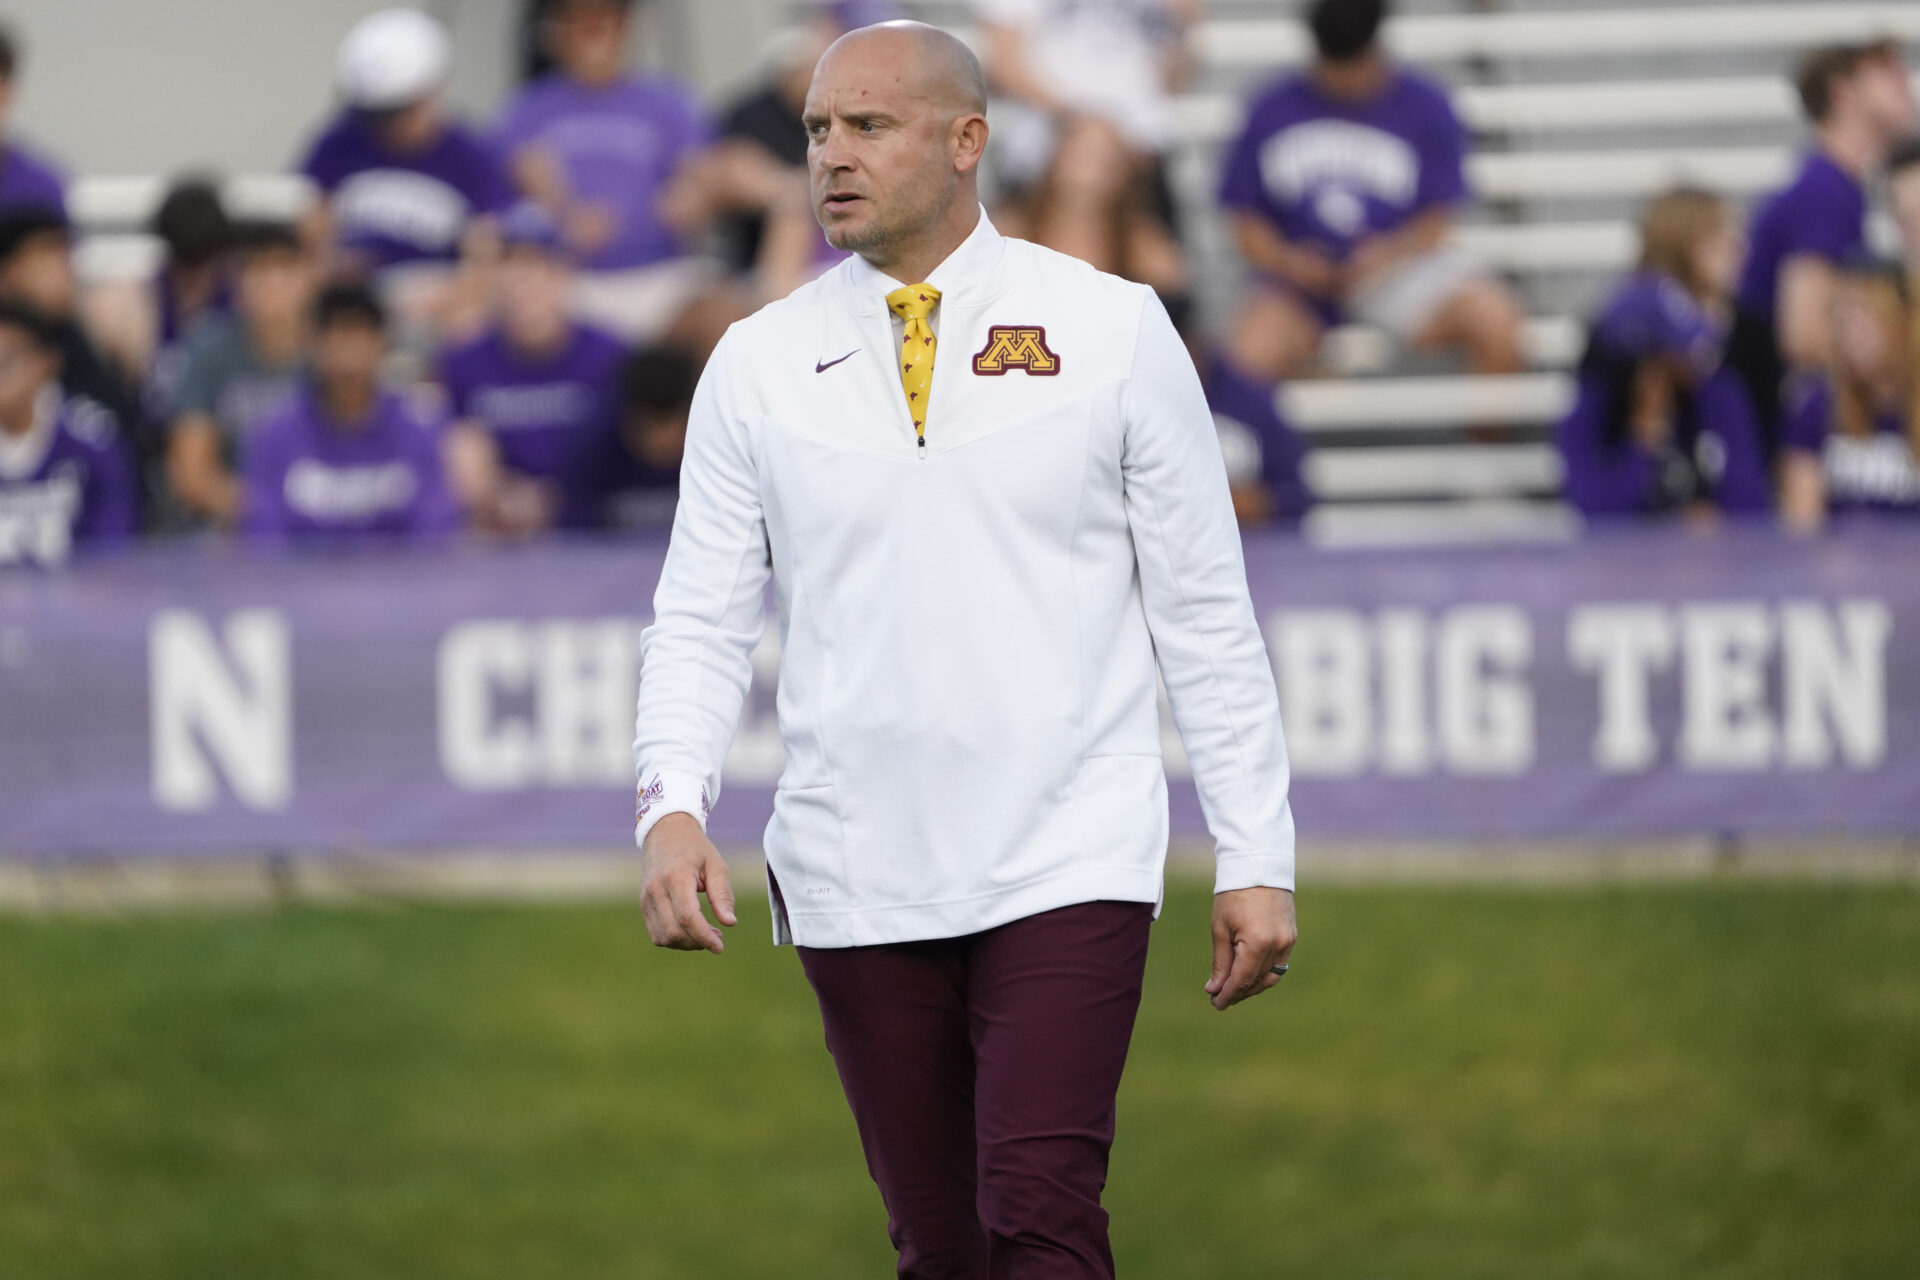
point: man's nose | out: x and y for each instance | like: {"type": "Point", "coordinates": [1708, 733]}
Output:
{"type": "Point", "coordinates": [834, 154]}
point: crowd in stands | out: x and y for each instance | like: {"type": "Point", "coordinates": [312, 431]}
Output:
{"type": "Point", "coordinates": [498, 327]}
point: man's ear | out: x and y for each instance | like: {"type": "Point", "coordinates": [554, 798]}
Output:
{"type": "Point", "coordinates": [969, 141]}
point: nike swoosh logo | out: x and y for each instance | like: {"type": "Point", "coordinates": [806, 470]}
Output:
{"type": "Point", "coordinates": [821, 366]}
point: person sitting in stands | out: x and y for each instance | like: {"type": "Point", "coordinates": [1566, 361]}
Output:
{"type": "Point", "coordinates": [1850, 439]}
{"type": "Point", "coordinates": [239, 367]}
{"type": "Point", "coordinates": [1341, 191]}
{"type": "Point", "coordinates": [28, 180]}
{"type": "Point", "coordinates": [143, 323]}
{"type": "Point", "coordinates": [64, 480]}
{"type": "Point", "coordinates": [409, 194]}
{"type": "Point", "coordinates": [344, 456]}
{"type": "Point", "coordinates": [36, 268]}
{"type": "Point", "coordinates": [527, 393]}
{"type": "Point", "coordinates": [1095, 202]}
{"type": "Point", "coordinates": [1860, 102]}
{"type": "Point", "coordinates": [1659, 425]}
{"type": "Point", "coordinates": [611, 155]}
{"type": "Point", "coordinates": [628, 475]}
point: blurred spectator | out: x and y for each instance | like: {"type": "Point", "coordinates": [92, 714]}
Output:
{"type": "Point", "coordinates": [628, 474]}
{"type": "Point", "coordinates": [27, 180]}
{"type": "Point", "coordinates": [1850, 439]}
{"type": "Point", "coordinates": [611, 154]}
{"type": "Point", "coordinates": [1263, 451]}
{"type": "Point", "coordinates": [1096, 204]}
{"type": "Point", "coordinates": [238, 368]}
{"type": "Point", "coordinates": [409, 192]}
{"type": "Point", "coordinates": [343, 455]}
{"type": "Point", "coordinates": [63, 478]}
{"type": "Point", "coordinates": [143, 325]}
{"type": "Point", "coordinates": [1860, 102]}
{"type": "Point", "coordinates": [1903, 199]}
{"type": "Point", "coordinates": [528, 392]}
{"type": "Point", "coordinates": [1658, 423]}
{"type": "Point", "coordinates": [36, 267]}
{"type": "Point", "coordinates": [757, 169]}
{"type": "Point", "coordinates": [1342, 190]}
{"type": "Point", "coordinates": [1115, 61]}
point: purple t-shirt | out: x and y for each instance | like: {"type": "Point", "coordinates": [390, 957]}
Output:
{"type": "Point", "coordinates": [607, 486]}
{"type": "Point", "coordinates": [620, 145]}
{"type": "Point", "coordinates": [30, 181]}
{"type": "Point", "coordinates": [1876, 472]}
{"type": "Point", "coordinates": [392, 207]}
{"type": "Point", "coordinates": [1715, 452]}
{"type": "Point", "coordinates": [77, 491]}
{"type": "Point", "coordinates": [537, 409]}
{"type": "Point", "coordinates": [306, 475]}
{"type": "Point", "coordinates": [1328, 174]}
{"type": "Point", "coordinates": [1822, 212]}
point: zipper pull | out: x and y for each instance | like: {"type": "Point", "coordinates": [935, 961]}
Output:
{"type": "Point", "coordinates": [923, 448]}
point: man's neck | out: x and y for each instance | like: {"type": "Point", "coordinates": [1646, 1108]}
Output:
{"type": "Point", "coordinates": [1851, 144]}
{"type": "Point", "coordinates": [19, 420]}
{"type": "Point", "coordinates": [913, 262]}
{"type": "Point", "coordinates": [349, 406]}
{"type": "Point", "coordinates": [1353, 80]}
{"type": "Point", "coordinates": [537, 342]}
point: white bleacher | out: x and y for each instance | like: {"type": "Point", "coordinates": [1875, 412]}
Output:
{"type": "Point", "coordinates": [1269, 42]}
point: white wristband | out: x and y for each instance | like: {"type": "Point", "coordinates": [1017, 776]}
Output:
{"type": "Point", "coordinates": [663, 793]}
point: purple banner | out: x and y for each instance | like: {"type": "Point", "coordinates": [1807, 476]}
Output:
{"type": "Point", "coordinates": [196, 700]}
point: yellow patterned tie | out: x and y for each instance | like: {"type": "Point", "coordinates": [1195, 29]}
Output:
{"type": "Point", "coordinates": [913, 304]}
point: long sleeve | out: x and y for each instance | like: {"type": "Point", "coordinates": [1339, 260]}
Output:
{"type": "Point", "coordinates": [1206, 638]}
{"type": "Point", "coordinates": [708, 614]}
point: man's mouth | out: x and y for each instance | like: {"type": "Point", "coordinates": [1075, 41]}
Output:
{"type": "Point", "coordinates": [841, 199]}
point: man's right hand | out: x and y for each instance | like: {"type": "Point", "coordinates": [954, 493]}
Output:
{"type": "Point", "coordinates": [678, 864]}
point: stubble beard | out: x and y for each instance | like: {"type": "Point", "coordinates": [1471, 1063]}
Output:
{"type": "Point", "coordinates": [874, 240]}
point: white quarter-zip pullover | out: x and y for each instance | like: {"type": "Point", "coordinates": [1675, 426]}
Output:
{"type": "Point", "coordinates": [969, 634]}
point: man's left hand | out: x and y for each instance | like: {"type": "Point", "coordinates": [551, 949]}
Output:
{"type": "Point", "coordinates": [1253, 930]}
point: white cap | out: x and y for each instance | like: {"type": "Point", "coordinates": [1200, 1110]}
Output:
{"type": "Point", "coordinates": [393, 58]}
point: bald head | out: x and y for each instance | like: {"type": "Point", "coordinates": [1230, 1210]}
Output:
{"type": "Point", "coordinates": [896, 124]}
{"type": "Point", "coordinates": [936, 62]}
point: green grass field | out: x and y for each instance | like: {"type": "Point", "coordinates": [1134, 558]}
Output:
{"type": "Point", "coordinates": [1702, 1081]}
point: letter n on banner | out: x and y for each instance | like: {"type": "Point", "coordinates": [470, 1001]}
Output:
{"type": "Point", "coordinates": [228, 704]}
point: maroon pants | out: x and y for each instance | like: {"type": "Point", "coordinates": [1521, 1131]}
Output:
{"type": "Point", "coordinates": [982, 1072]}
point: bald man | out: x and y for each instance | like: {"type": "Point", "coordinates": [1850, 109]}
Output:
{"type": "Point", "coordinates": [987, 488]}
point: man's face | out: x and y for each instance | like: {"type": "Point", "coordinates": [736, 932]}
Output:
{"type": "Point", "coordinates": [25, 367]}
{"type": "Point", "coordinates": [588, 38]}
{"type": "Point", "coordinates": [657, 439]}
{"type": "Point", "coordinates": [533, 291]}
{"type": "Point", "coordinates": [879, 153]}
{"type": "Point", "coordinates": [275, 285]}
{"type": "Point", "coordinates": [1885, 93]}
{"type": "Point", "coordinates": [347, 353]}
{"type": "Point", "coordinates": [40, 272]}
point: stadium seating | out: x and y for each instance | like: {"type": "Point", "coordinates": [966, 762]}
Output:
{"type": "Point", "coordinates": [1576, 126]}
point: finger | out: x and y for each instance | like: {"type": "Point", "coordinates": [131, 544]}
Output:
{"type": "Point", "coordinates": [1222, 957]}
{"type": "Point", "coordinates": [653, 911]}
{"type": "Point", "coordinates": [693, 924]}
{"type": "Point", "coordinates": [1241, 977]}
{"type": "Point", "coordinates": [719, 889]}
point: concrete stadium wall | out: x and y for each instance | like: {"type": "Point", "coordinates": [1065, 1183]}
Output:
{"type": "Point", "coordinates": [157, 86]}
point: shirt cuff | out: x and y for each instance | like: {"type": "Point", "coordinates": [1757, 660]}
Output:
{"type": "Point", "coordinates": [1253, 871]}
{"type": "Point", "coordinates": [664, 793]}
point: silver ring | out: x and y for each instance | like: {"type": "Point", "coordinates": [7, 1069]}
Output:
{"type": "Point", "coordinates": [1278, 971]}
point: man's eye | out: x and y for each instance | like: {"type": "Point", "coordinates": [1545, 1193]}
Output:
{"type": "Point", "coordinates": [868, 126]}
